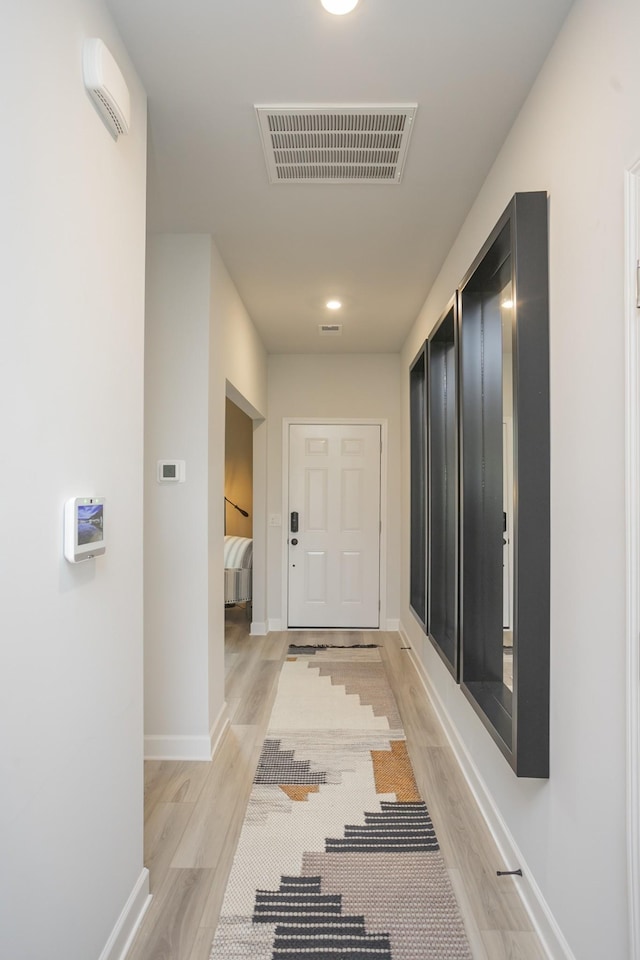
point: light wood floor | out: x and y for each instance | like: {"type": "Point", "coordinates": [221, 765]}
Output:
{"type": "Point", "coordinates": [194, 811]}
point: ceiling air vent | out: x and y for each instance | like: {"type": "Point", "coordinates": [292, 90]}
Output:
{"type": "Point", "coordinates": [329, 329]}
{"type": "Point", "coordinates": [336, 144]}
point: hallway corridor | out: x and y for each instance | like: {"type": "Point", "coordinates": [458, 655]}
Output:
{"type": "Point", "coordinates": [194, 811]}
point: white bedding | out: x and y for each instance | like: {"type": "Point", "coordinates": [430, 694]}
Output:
{"type": "Point", "coordinates": [238, 564]}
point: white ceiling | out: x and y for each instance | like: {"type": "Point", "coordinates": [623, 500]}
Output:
{"type": "Point", "coordinates": [290, 247]}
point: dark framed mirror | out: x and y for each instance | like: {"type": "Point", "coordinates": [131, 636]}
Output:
{"type": "Point", "coordinates": [418, 481]}
{"type": "Point", "coordinates": [442, 578]}
{"type": "Point", "coordinates": [504, 484]}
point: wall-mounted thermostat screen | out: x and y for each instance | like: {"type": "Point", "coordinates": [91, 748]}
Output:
{"type": "Point", "coordinates": [84, 528]}
{"type": "Point", "coordinates": [171, 471]}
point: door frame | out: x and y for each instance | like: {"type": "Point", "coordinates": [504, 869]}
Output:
{"type": "Point", "coordinates": [632, 427]}
{"type": "Point", "coordinates": [335, 421]}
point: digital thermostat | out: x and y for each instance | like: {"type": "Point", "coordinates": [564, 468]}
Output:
{"type": "Point", "coordinates": [84, 528]}
{"type": "Point", "coordinates": [171, 471]}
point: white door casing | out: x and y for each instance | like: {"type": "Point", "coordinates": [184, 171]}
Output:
{"type": "Point", "coordinates": [334, 474]}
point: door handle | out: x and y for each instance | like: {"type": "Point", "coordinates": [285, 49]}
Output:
{"type": "Point", "coordinates": [294, 542]}
{"type": "Point", "coordinates": [294, 522]}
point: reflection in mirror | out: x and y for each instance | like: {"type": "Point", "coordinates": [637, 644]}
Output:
{"type": "Point", "coordinates": [486, 400]}
{"type": "Point", "coordinates": [506, 314]}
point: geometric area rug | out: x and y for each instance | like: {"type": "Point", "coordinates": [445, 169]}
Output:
{"type": "Point", "coordinates": [337, 857]}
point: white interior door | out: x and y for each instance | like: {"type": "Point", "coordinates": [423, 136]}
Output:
{"type": "Point", "coordinates": [334, 555]}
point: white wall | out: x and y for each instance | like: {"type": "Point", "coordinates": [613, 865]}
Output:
{"type": "Point", "coordinates": [71, 366]}
{"type": "Point", "coordinates": [176, 515]}
{"type": "Point", "coordinates": [352, 386]}
{"type": "Point", "coordinates": [245, 358]}
{"type": "Point", "coordinates": [244, 364]}
{"type": "Point", "coordinates": [578, 131]}
{"type": "Point", "coordinates": [196, 329]}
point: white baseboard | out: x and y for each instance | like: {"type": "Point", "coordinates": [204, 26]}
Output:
{"type": "Point", "coordinates": [275, 626]}
{"type": "Point", "coordinates": [170, 747]}
{"type": "Point", "coordinates": [542, 919]}
{"type": "Point", "coordinates": [117, 946]}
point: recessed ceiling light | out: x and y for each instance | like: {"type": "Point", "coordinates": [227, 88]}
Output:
{"type": "Point", "coordinates": [339, 7]}
{"type": "Point", "coordinates": [333, 304]}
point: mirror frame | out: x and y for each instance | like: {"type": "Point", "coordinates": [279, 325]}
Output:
{"type": "Point", "coordinates": [443, 487]}
{"type": "Point", "coordinates": [519, 720]}
{"type": "Point", "coordinates": [418, 548]}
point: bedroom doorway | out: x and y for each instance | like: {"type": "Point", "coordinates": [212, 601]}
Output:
{"type": "Point", "coordinates": [238, 512]}
{"type": "Point", "coordinates": [334, 526]}
{"type": "Point", "coordinates": [244, 485]}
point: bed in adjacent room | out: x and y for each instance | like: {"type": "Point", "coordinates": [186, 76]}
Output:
{"type": "Point", "coordinates": [238, 570]}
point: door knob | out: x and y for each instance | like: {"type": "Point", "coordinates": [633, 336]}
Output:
{"type": "Point", "coordinates": [294, 542]}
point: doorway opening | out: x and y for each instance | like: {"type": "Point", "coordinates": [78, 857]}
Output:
{"type": "Point", "coordinates": [238, 510]}
{"type": "Point", "coordinates": [244, 485]}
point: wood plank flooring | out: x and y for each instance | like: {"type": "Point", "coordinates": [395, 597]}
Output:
{"type": "Point", "coordinates": [194, 811]}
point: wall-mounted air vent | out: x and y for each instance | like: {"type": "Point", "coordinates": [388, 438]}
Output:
{"type": "Point", "coordinates": [337, 143]}
{"type": "Point", "coordinates": [329, 329]}
{"type": "Point", "coordinates": [107, 86]}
